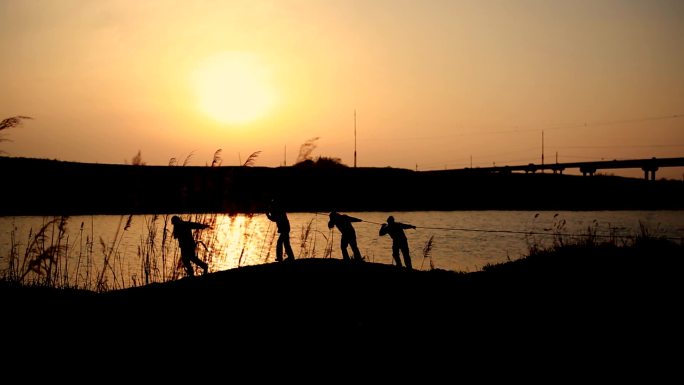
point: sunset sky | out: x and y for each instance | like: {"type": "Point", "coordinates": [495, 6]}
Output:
{"type": "Point", "coordinates": [433, 82]}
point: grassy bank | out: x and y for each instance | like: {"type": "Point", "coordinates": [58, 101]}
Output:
{"type": "Point", "coordinates": [572, 290]}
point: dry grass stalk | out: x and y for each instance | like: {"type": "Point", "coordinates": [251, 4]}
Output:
{"type": "Point", "coordinates": [251, 159]}
{"type": "Point", "coordinates": [427, 252]}
{"type": "Point", "coordinates": [216, 160]}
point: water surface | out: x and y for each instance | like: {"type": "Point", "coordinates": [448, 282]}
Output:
{"type": "Point", "coordinates": [144, 251]}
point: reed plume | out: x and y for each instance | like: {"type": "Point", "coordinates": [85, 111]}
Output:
{"type": "Point", "coordinates": [8, 123]}
{"type": "Point", "coordinates": [217, 160]}
{"type": "Point", "coordinates": [187, 158]}
{"type": "Point", "coordinates": [251, 159]}
{"type": "Point", "coordinates": [427, 252]}
{"type": "Point", "coordinates": [306, 149]}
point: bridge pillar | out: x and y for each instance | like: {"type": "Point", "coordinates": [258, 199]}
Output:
{"type": "Point", "coordinates": [587, 170]}
{"type": "Point", "coordinates": [650, 172]}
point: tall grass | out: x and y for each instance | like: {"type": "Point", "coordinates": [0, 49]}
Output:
{"type": "Point", "coordinates": [247, 236]}
{"type": "Point", "coordinates": [593, 235]}
{"type": "Point", "coordinates": [49, 258]}
{"type": "Point", "coordinates": [427, 252]}
{"type": "Point", "coordinates": [43, 261]}
{"type": "Point", "coordinates": [150, 255]}
{"type": "Point", "coordinates": [111, 256]}
{"type": "Point", "coordinates": [46, 257]}
{"type": "Point", "coordinates": [271, 235]}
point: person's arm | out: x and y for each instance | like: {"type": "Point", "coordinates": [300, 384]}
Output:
{"type": "Point", "coordinates": [383, 229]}
{"type": "Point", "coordinates": [331, 224]}
{"type": "Point", "coordinates": [407, 226]}
{"type": "Point", "coordinates": [352, 219]}
{"type": "Point", "coordinates": [198, 226]}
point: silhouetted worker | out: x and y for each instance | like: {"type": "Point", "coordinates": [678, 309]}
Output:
{"type": "Point", "coordinates": [276, 214]}
{"type": "Point", "coordinates": [182, 231]}
{"type": "Point", "coordinates": [399, 241]}
{"type": "Point", "coordinates": [344, 224]}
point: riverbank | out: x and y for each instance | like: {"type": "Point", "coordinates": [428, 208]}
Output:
{"type": "Point", "coordinates": [565, 297]}
{"type": "Point", "coordinates": [85, 188]}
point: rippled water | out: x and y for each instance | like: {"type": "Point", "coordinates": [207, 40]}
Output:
{"type": "Point", "coordinates": [463, 240]}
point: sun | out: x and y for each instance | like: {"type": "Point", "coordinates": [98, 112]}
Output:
{"type": "Point", "coordinates": [234, 88]}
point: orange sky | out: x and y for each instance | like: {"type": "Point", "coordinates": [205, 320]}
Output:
{"type": "Point", "coordinates": [433, 82]}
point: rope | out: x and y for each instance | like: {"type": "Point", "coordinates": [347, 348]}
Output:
{"type": "Point", "coordinates": [535, 233]}
{"type": "Point", "coordinates": [526, 232]}
{"type": "Point", "coordinates": [375, 223]}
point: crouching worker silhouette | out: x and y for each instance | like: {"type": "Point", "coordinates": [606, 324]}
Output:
{"type": "Point", "coordinates": [344, 224]}
{"type": "Point", "coordinates": [399, 241]}
{"type": "Point", "coordinates": [276, 214]}
{"type": "Point", "coordinates": [182, 231]}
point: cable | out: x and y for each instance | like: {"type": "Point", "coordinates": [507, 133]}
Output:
{"type": "Point", "coordinates": [614, 122]}
{"type": "Point", "coordinates": [526, 232]}
{"type": "Point", "coordinates": [535, 233]}
{"type": "Point", "coordinates": [515, 129]}
{"type": "Point", "coordinates": [375, 223]}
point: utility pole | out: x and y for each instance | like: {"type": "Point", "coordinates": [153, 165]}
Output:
{"type": "Point", "coordinates": [542, 151]}
{"type": "Point", "coordinates": [355, 138]}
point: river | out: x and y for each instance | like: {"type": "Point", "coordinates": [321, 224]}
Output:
{"type": "Point", "coordinates": [139, 249]}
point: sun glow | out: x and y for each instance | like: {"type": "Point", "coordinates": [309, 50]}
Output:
{"type": "Point", "coordinates": [234, 88]}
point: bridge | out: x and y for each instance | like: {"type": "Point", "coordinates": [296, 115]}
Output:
{"type": "Point", "coordinates": [649, 166]}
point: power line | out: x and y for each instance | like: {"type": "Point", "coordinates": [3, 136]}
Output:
{"type": "Point", "coordinates": [515, 129]}
{"type": "Point", "coordinates": [452, 163]}
{"type": "Point", "coordinates": [525, 232]}
{"type": "Point", "coordinates": [354, 138]}
{"type": "Point", "coordinates": [623, 146]}
{"type": "Point", "coordinates": [615, 122]}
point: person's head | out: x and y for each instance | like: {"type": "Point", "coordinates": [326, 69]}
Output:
{"type": "Point", "coordinates": [333, 214]}
{"type": "Point", "coordinates": [176, 220]}
{"type": "Point", "coordinates": [390, 219]}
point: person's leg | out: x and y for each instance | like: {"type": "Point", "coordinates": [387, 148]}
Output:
{"type": "Point", "coordinates": [407, 256]}
{"type": "Point", "coordinates": [355, 250]}
{"type": "Point", "coordinates": [343, 245]}
{"type": "Point", "coordinates": [200, 263]}
{"type": "Point", "coordinates": [279, 248]}
{"type": "Point", "coordinates": [185, 258]}
{"type": "Point", "coordinates": [395, 254]}
{"type": "Point", "coordinates": [288, 247]}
